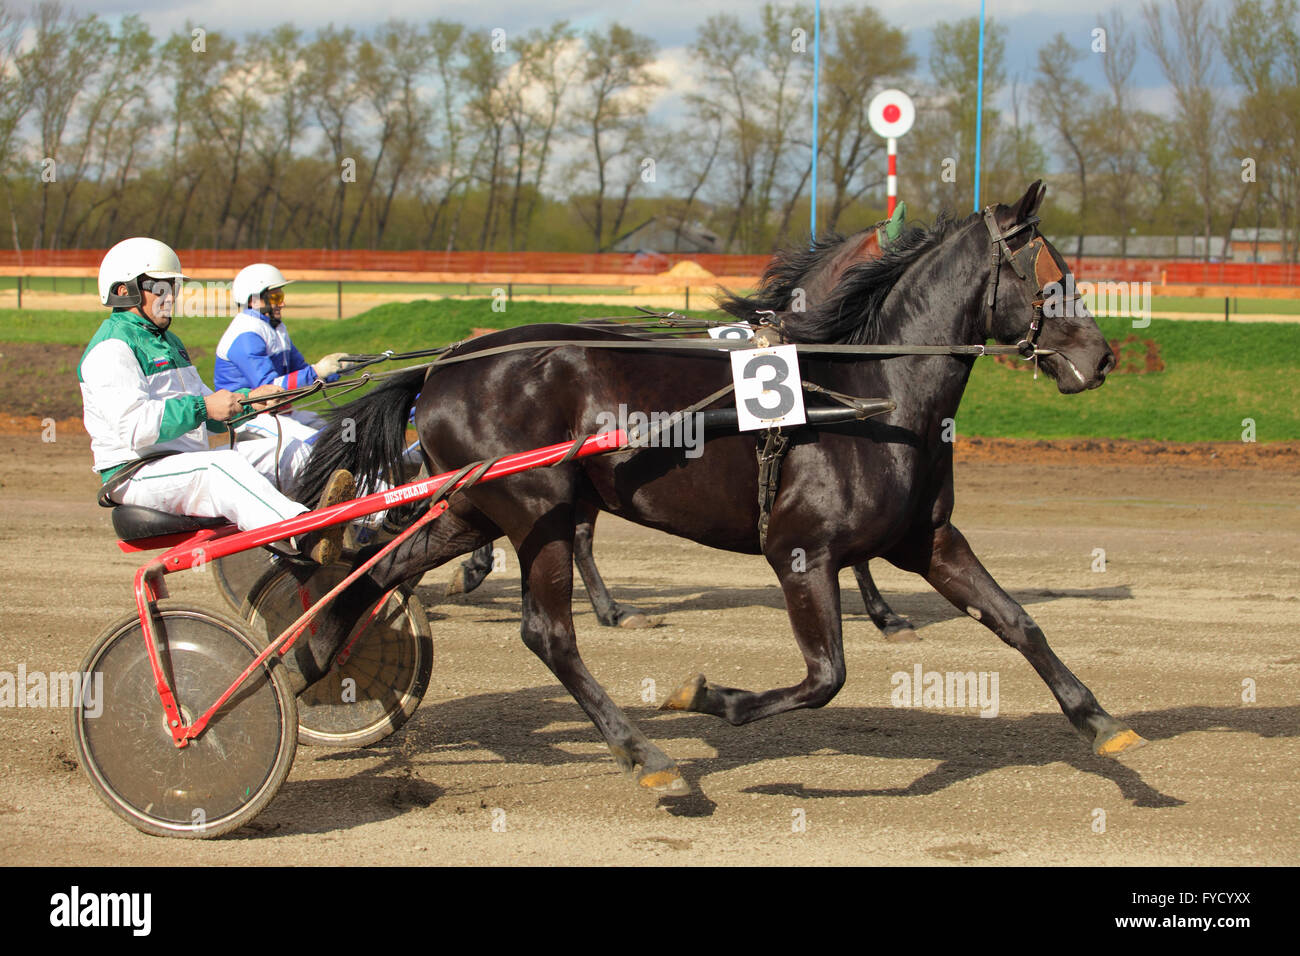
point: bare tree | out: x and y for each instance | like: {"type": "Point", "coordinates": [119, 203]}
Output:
{"type": "Point", "coordinates": [56, 69]}
{"type": "Point", "coordinates": [115, 121]}
{"type": "Point", "coordinates": [723, 50]}
{"type": "Point", "coordinates": [389, 70]}
{"type": "Point", "coordinates": [865, 55]}
{"type": "Point", "coordinates": [616, 87]}
{"type": "Point", "coordinates": [1119, 128]}
{"type": "Point", "coordinates": [14, 104]}
{"type": "Point", "coordinates": [1261, 43]}
{"type": "Point", "coordinates": [1063, 104]}
{"type": "Point", "coordinates": [485, 72]}
{"type": "Point", "coordinates": [554, 67]}
{"type": "Point", "coordinates": [706, 124]}
{"type": "Point", "coordinates": [332, 93]}
{"type": "Point", "coordinates": [447, 175]}
{"type": "Point", "coordinates": [280, 80]}
{"type": "Point", "coordinates": [1184, 43]}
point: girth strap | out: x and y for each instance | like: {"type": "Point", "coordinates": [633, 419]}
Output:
{"type": "Point", "coordinates": [770, 455]}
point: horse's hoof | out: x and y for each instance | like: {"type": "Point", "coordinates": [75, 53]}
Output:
{"type": "Point", "coordinates": [457, 583]}
{"type": "Point", "coordinates": [1118, 742]}
{"type": "Point", "coordinates": [900, 633]}
{"type": "Point", "coordinates": [687, 697]}
{"type": "Point", "coordinates": [668, 781]}
{"type": "Point", "coordinates": [640, 620]}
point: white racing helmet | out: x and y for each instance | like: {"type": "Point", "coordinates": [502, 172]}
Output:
{"type": "Point", "coordinates": [130, 259]}
{"type": "Point", "coordinates": [256, 279]}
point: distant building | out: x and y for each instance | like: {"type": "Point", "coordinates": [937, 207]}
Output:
{"type": "Point", "coordinates": [1142, 247]}
{"type": "Point", "coordinates": [1256, 245]}
{"type": "Point", "coordinates": [660, 234]}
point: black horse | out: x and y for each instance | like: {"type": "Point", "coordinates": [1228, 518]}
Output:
{"type": "Point", "coordinates": [848, 493]}
{"type": "Point", "coordinates": [799, 278]}
{"type": "Point", "coordinates": [795, 279]}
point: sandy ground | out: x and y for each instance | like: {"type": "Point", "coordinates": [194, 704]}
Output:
{"type": "Point", "coordinates": [1198, 596]}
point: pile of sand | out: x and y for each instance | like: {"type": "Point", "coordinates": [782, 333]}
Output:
{"type": "Point", "coordinates": [685, 269]}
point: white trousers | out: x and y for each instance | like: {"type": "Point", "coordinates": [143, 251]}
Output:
{"type": "Point", "coordinates": [293, 432]}
{"type": "Point", "coordinates": [209, 484]}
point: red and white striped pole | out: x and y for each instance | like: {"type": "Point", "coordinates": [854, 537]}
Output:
{"type": "Point", "coordinates": [892, 180]}
{"type": "Point", "coordinates": [890, 114]}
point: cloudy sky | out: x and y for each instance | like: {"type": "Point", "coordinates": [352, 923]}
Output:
{"type": "Point", "coordinates": [673, 24]}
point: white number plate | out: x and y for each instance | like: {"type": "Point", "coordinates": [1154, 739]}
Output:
{"type": "Point", "coordinates": [730, 332]}
{"type": "Point", "coordinates": [768, 393]}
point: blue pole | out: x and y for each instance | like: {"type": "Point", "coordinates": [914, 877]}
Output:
{"type": "Point", "coordinates": [979, 109]}
{"type": "Point", "coordinates": [817, 72]}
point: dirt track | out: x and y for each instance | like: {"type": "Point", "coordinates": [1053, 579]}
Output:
{"type": "Point", "coordinates": [1199, 594]}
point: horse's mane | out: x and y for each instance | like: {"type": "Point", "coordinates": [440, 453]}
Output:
{"type": "Point", "coordinates": [851, 314]}
{"type": "Point", "coordinates": [788, 270]}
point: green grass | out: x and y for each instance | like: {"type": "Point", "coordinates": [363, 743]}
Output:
{"type": "Point", "coordinates": [398, 326]}
{"type": "Point", "coordinates": [1215, 375]}
{"type": "Point", "coordinates": [1245, 307]}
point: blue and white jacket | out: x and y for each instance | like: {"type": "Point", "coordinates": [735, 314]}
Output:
{"type": "Point", "coordinates": [254, 352]}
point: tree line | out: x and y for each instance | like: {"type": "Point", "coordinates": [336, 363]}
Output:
{"type": "Point", "coordinates": [434, 135]}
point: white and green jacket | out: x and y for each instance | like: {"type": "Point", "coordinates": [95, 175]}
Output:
{"type": "Point", "coordinates": [141, 394]}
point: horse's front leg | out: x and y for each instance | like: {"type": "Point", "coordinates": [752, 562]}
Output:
{"type": "Point", "coordinates": [948, 564]}
{"type": "Point", "coordinates": [894, 627]}
{"type": "Point", "coordinates": [812, 600]}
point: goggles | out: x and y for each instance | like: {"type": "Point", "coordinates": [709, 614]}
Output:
{"type": "Point", "coordinates": [161, 287]}
{"type": "Point", "coordinates": [273, 297]}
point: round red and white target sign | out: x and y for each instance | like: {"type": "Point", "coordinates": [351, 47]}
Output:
{"type": "Point", "coordinates": [891, 113]}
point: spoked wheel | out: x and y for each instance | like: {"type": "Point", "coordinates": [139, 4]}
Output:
{"type": "Point", "coordinates": [237, 573]}
{"type": "Point", "coordinates": [225, 776]}
{"type": "Point", "coordinates": [379, 677]}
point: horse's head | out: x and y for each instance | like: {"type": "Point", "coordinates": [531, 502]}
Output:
{"type": "Point", "coordinates": [1026, 279]}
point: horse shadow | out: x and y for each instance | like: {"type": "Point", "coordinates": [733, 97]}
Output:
{"type": "Point", "coordinates": [544, 728]}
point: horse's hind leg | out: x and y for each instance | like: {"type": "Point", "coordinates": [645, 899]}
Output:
{"type": "Point", "coordinates": [457, 530]}
{"type": "Point", "coordinates": [895, 628]}
{"type": "Point", "coordinates": [608, 611]}
{"type": "Point", "coordinates": [546, 565]}
{"type": "Point", "coordinates": [946, 561]}
{"type": "Point", "coordinates": [470, 574]}
{"type": "Point", "coordinates": [812, 599]}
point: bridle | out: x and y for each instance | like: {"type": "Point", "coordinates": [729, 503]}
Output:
{"type": "Point", "coordinates": [1026, 263]}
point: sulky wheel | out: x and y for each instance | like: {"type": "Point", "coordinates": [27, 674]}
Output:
{"type": "Point", "coordinates": [236, 574]}
{"type": "Point", "coordinates": [221, 779]}
{"type": "Point", "coordinates": [389, 657]}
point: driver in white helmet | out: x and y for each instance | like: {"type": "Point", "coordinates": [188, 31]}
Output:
{"type": "Point", "coordinates": [149, 413]}
{"type": "Point", "coordinates": [255, 351]}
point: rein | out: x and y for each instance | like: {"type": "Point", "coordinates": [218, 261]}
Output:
{"type": "Point", "coordinates": [667, 331]}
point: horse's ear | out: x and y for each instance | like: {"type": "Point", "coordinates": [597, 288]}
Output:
{"type": "Point", "coordinates": [1031, 200]}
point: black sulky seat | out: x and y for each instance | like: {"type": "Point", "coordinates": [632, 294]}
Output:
{"type": "Point", "coordinates": [134, 522]}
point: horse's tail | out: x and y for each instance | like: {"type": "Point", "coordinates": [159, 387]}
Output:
{"type": "Point", "coordinates": [366, 436]}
